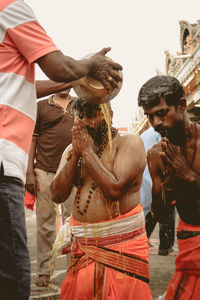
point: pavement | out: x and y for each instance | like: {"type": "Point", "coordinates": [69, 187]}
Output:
{"type": "Point", "coordinates": [161, 267]}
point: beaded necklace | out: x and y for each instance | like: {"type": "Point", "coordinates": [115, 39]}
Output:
{"type": "Point", "coordinates": [93, 185]}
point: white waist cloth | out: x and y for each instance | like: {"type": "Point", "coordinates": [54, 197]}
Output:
{"type": "Point", "coordinates": [110, 228]}
{"type": "Point", "coordinates": [97, 230]}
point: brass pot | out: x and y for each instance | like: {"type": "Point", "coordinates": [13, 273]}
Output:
{"type": "Point", "coordinates": [91, 90]}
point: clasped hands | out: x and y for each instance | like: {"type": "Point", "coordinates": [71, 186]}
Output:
{"type": "Point", "coordinates": [81, 140]}
{"type": "Point", "coordinates": [174, 161]}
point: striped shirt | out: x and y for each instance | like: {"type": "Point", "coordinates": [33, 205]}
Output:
{"type": "Point", "coordinates": [22, 42]}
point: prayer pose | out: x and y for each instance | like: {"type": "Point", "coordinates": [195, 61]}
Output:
{"type": "Point", "coordinates": [175, 172]}
{"type": "Point", "coordinates": [109, 256]}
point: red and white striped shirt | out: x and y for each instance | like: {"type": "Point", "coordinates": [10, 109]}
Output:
{"type": "Point", "coordinates": [22, 42]}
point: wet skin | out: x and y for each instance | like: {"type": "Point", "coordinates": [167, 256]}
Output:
{"type": "Point", "coordinates": [174, 163]}
{"type": "Point", "coordinates": [118, 177]}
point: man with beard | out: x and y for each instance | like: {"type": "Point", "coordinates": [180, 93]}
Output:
{"type": "Point", "coordinates": [109, 247]}
{"type": "Point", "coordinates": [174, 166]}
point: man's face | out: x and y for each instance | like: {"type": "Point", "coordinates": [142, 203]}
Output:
{"type": "Point", "coordinates": [95, 124]}
{"type": "Point", "coordinates": [167, 120]}
{"type": "Point", "coordinates": [92, 119]}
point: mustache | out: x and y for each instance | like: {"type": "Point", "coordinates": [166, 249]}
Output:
{"type": "Point", "coordinates": [161, 128]}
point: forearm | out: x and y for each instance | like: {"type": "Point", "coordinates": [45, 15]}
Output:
{"type": "Point", "coordinates": [48, 87]}
{"type": "Point", "coordinates": [105, 180]}
{"type": "Point", "coordinates": [62, 68]}
{"type": "Point", "coordinates": [62, 184]}
{"type": "Point", "coordinates": [163, 212]}
{"type": "Point", "coordinates": [32, 153]}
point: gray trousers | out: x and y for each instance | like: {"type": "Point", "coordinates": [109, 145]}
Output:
{"type": "Point", "coordinates": [46, 222]}
{"type": "Point", "coordinates": [47, 218]}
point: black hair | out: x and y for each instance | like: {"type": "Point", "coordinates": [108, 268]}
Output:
{"type": "Point", "coordinates": [167, 87]}
{"type": "Point", "coordinates": [83, 108]}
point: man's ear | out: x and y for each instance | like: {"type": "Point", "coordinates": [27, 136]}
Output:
{"type": "Point", "coordinates": [182, 104]}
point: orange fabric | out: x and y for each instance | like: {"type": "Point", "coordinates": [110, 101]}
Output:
{"type": "Point", "coordinates": [111, 284]}
{"type": "Point", "coordinates": [29, 200]}
{"type": "Point", "coordinates": [11, 126]}
{"type": "Point", "coordinates": [185, 282]}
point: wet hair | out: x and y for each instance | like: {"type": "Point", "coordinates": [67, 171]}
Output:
{"type": "Point", "coordinates": [167, 87]}
{"type": "Point", "coordinates": [83, 108]}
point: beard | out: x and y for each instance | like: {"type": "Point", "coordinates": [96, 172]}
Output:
{"type": "Point", "coordinates": [99, 133]}
{"type": "Point", "coordinates": [175, 134]}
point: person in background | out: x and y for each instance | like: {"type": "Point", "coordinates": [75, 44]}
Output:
{"type": "Point", "coordinates": [52, 134]}
{"type": "Point", "coordinates": [174, 165]}
{"type": "Point", "coordinates": [151, 137]}
{"type": "Point", "coordinates": [23, 42]}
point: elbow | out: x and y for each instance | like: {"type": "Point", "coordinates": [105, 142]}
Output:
{"type": "Point", "coordinates": [55, 194]}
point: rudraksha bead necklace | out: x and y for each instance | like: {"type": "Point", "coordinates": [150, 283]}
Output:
{"type": "Point", "coordinates": [93, 185]}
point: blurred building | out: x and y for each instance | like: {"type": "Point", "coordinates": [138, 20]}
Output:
{"type": "Point", "coordinates": [139, 122]}
{"type": "Point", "coordinates": [185, 66]}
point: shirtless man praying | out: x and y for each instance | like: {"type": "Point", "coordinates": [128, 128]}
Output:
{"type": "Point", "coordinates": [174, 164]}
{"type": "Point", "coordinates": [109, 251]}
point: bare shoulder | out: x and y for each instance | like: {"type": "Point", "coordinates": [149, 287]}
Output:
{"type": "Point", "coordinates": [64, 158]}
{"type": "Point", "coordinates": [131, 139]}
{"type": "Point", "coordinates": [154, 159]}
{"type": "Point", "coordinates": [131, 146]}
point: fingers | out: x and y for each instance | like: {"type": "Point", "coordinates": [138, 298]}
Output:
{"type": "Point", "coordinates": [114, 77]}
{"type": "Point", "coordinates": [117, 67]}
{"type": "Point", "coordinates": [30, 188]}
{"type": "Point", "coordinates": [109, 83]}
{"type": "Point", "coordinates": [104, 50]}
{"type": "Point", "coordinates": [171, 150]}
{"type": "Point", "coordinates": [105, 70]}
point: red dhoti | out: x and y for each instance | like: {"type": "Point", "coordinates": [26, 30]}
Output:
{"type": "Point", "coordinates": [185, 283]}
{"type": "Point", "coordinates": [109, 260]}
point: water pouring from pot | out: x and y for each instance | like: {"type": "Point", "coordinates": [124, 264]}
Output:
{"type": "Point", "coordinates": [93, 91]}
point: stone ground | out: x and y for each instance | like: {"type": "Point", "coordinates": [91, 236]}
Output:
{"type": "Point", "coordinates": [161, 267]}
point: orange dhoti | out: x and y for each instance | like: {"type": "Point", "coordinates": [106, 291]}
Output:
{"type": "Point", "coordinates": [109, 260]}
{"type": "Point", "coordinates": [185, 283]}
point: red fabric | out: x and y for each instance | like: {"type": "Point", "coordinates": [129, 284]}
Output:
{"type": "Point", "coordinates": [29, 200]}
{"type": "Point", "coordinates": [115, 285]}
{"type": "Point", "coordinates": [185, 282]}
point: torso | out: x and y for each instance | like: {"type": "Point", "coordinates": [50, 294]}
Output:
{"type": "Point", "coordinates": [178, 192]}
{"type": "Point", "coordinates": [101, 209]}
{"type": "Point", "coordinates": [53, 127]}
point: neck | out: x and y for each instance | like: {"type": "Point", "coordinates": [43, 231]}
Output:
{"type": "Point", "coordinates": [188, 130]}
{"type": "Point", "coordinates": [182, 132]}
{"type": "Point", "coordinates": [62, 101]}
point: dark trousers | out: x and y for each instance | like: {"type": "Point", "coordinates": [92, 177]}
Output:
{"type": "Point", "coordinates": [166, 233]}
{"type": "Point", "coordinates": [14, 256]}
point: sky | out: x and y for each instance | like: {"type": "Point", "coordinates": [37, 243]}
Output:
{"type": "Point", "coordinates": [138, 31]}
